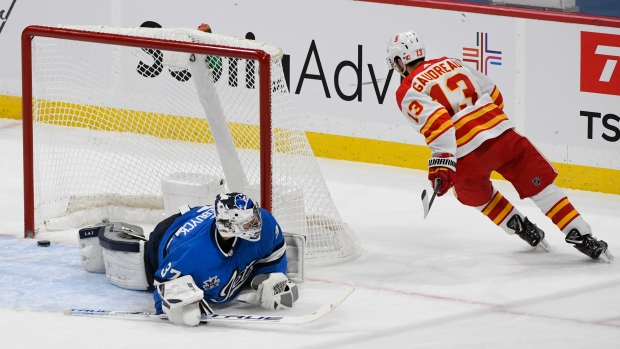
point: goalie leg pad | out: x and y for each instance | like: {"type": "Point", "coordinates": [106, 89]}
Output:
{"type": "Point", "coordinates": [91, 252]}
{"type": "Point", "coordinates": [123, 253]}
{"type": "Point", "coordinates": [126, 269]}
{"type": "Point", "coordinates": [295, 256]}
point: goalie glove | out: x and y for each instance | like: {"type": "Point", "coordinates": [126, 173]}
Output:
{"type": "Point", "coordinates": [273, 291]}
{"type": "Point", "coordinates": [182, 301]}
{"type": "Point", "coordinates": [442, 166]}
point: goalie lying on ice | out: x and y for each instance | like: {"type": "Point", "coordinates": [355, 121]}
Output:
{"type": "Point", "coordinates": [200, 256]}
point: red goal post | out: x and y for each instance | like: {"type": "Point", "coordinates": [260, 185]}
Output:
{"type": "Point", "coordinates": [64, 98]}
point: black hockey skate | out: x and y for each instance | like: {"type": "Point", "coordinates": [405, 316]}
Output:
{"type": "Point", "coordinates": [529, 232]}
{"type": "Point", "coordinates": [589, 245]}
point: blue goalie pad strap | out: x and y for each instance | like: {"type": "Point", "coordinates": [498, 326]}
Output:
{"type": "Point", "coordinates": [92, 231]}
{"type": "Point", "coordinates": [89, 232]}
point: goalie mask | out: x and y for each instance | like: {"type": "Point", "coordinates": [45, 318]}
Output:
{"type": "Point", "coordinates": [237, 215]}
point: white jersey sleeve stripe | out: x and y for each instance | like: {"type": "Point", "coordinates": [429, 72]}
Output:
{"type": "Point", "coordinates": [275, 255]}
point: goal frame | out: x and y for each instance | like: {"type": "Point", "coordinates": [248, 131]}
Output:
{"type": "Point", "coordinates": [264, 91]}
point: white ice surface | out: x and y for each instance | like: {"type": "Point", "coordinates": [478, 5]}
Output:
{"type": "Point", "coordinates": [453, 280]}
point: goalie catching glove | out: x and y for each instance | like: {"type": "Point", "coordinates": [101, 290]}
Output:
{"type": "Point", "coordinates": [182, 301]}
{"type": "Point", "coordinates": [273, 291]}
{"type": "Point", "coordinates": [442, 166]}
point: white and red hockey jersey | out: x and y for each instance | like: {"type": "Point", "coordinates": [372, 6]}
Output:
{"type": "Point", "coordinates": [454, 107]}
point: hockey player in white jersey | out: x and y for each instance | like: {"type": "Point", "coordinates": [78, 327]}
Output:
{"type": "Point", "coordinates": [459, 111]}
{"type": "Point", "coordinates": [198, 257]}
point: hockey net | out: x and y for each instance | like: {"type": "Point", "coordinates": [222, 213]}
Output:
{"type": "Point", "coordinates": [117, 111]}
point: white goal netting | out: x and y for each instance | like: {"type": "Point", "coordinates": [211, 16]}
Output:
{"type": "Point", "coordinates": [112, 121]}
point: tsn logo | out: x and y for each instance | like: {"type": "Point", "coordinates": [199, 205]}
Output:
{"type": "Point", "coordinates": [599, 57]}
{"type": "Point", "coordinates": [600, 74]}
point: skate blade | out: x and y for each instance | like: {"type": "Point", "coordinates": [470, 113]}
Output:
{"type": "Point", "coordinates": [606, 256]}
{"type": "Point", "coordinates": [543, 245]}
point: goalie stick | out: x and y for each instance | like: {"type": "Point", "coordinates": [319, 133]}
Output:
{"type": "Point", "coordinates": [295, 320]}
{"type": "Point", "coordinates": [425, 203]}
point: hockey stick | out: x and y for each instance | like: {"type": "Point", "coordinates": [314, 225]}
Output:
{"type": "Point", "coordinates": [295, 320]}
{"type": "Point", "coordinates": [425, 203]}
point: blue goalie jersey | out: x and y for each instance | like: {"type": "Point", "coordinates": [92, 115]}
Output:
{"type": "Point", "coordinates": [190, 246]}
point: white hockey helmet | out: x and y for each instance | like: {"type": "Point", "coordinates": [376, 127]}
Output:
{"type": "Point", "coordinates": [408, 46]}
{"type": "Point", "coordinates": [237, 215]}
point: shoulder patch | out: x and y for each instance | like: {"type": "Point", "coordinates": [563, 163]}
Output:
{"type": "Point", "coordinates": [210, 283]}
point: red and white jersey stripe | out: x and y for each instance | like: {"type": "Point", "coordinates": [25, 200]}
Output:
{"type": "Point", "coordinates": [453, 106]}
